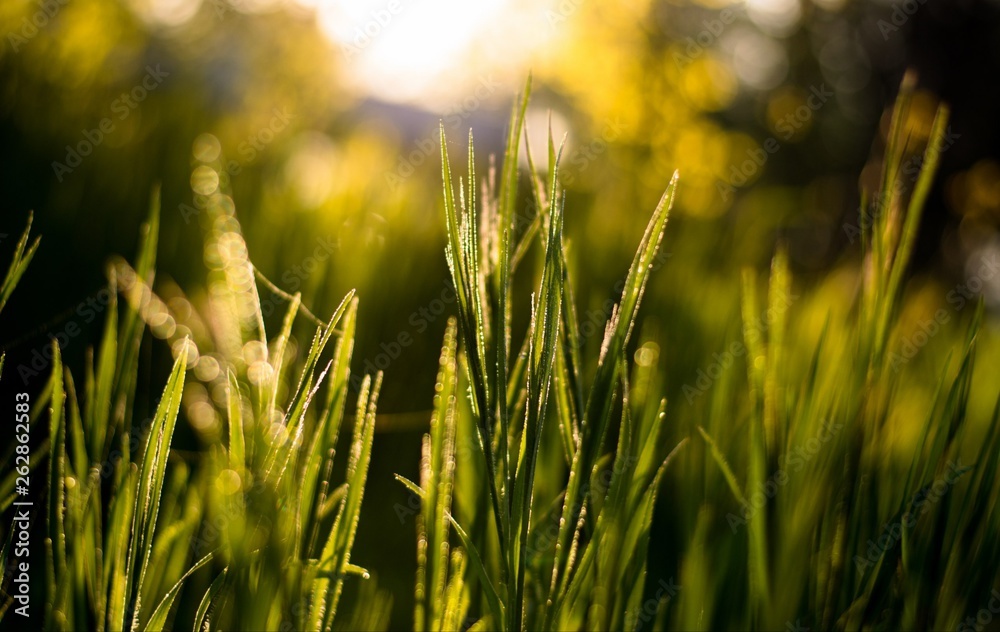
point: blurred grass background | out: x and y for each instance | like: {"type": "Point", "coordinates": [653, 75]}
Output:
{"type": "Point", "coordinates": [318, 121]}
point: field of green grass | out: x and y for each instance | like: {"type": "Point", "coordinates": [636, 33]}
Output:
{"type": "Point", "coordinates": [833, 464]}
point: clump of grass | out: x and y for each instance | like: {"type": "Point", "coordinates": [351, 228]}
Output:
{"type": "Point", "coordinates": [23, 254]}
{"type": "Point", "coordinates": [251, 521]}
{"type": "Point", "coordinates": [591, 570]}
{"type": "Point", "coordinates": [843, 539]}
{"type": "Point", "coordinates": [541, 469]}
{"type": "Point", "coordinates": [568, 550]}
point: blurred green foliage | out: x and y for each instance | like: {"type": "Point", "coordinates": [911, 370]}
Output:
{"type": "Point", "coordinates": [247, 106]}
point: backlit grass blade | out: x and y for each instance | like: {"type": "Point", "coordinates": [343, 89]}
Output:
{"type": "Point", "coordinates": [336, 554]}
{"type": "Point", "coordinates": [475, 559]}
{"type": "Point", "coordinates": [55, 544]}
{"type": "Point", "coordinates": [130, 337]}
{"type": "Point", "coordinates": [546, 324]}
{"type": "Point", "coordinates": [508, 182]}
{"type": "Point", "coordinates": [569, 388]}
{"type": "Point", "coordinates": [117, 569]}
{"type": "Point", "coordinates": [437, 477]}
{"type": "Point", "coordinates": [98, 420]}
{"type": "Point", "coordinates": [202, 618]}
{"type": "Point", "coordinates": [462, 253]}
{"type": "Point", "coordinates": [19, 263]}
{"type": "Point", "coordinates": [312, 359]}
{"type": "Point", "coordinates": [237, 437]}
{"type": "Point", "coordinates": [280, 345]}
{"type": "Point", "coordinates": [158, 620]}
{"type": "Point", "coordinates": [151, 477]}
{"type": "Point", "coordinates": [456, 599]}
{"type": "Point", "coordinates": [928, 168]}
{"type": "Point", "coordinates": [600, 400]}
{"type": "Point", "coordinates": [637, 538]}
{"type": "Point", "coordinates": [763, 433]}
{"type": "Point", "coordinates": [723, 464]}
{"type": "Point", "coordinates": [325, 434]}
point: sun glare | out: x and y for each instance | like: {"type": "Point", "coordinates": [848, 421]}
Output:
{"type": "Point", "coordinates": [409, 51]}
{"type": "Point", "coordinates": [396, 52]}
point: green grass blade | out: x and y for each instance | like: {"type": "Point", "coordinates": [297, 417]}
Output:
{"type": "Point", "coordinates": [202, 618]}
{"type": "Point", "coordinates": [55, 615]}
{"type": "Point", "coordinates": [19, 263]}
{"type": "Point", "coordinates": [152, 475]}
{"type": "Point", "coordinates": [475, 559]}
{"type": "Point", "coordinates": [158, 620]}
{"type": "Point", "coordinates": [600, 399]}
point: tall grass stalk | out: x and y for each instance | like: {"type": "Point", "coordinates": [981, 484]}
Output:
{"type": "Point", "coordinates": [577, 559]}
{"type": "Point", "coordinates": [251, 517]}
{"type": "Point", "coordinates": [594, 575]}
